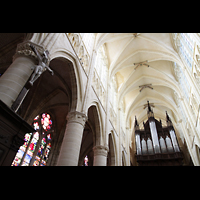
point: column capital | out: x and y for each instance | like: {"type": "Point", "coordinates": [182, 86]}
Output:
{"type": "Point", "coordinates": [100, 150]}
{"type": "Point", "coordinates": [76, 117]}
{"type": "Point", "coordinates": [25, 49]}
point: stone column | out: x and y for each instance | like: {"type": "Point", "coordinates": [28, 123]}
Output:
{"type": "Point", "coordinates": [70, 148]}
{"type": "Point", "coordinates": [16, 76]}
{"type": "Point", "coordinates": [100, 155]}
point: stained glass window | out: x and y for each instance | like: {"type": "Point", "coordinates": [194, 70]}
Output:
{"type": "Point", "coordinates": [36, 148]}
{"type": "Point", "coordinates": [86, 161]}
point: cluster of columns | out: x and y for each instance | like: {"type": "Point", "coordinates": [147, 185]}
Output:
{"type": "Point", "coordinates": [70, 148]}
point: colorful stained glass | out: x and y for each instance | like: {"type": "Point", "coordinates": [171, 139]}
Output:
{"type": "Point", "coordinates": [36, 118]}
{"type": "Point", "coordinates": [18, 158]}
{"type": "Point", "coordinates": [27, 151]}
{"type": "Point", "coordinates": [49, 145]}
{"type": "Point", "coordinates": [42, 146]}
{"type": "Point", "coordinates": [36, 125]}
{"type": "Point", "coordinates": [49, 136]}
{"type": "Point", "coordinates": [43, 163]}
{"type": "Point", "coordinates": [34, 142]}
{"type": "Point", "coordinates": [86, 161]}
{"type": "Point", "coordinates": [27, 160]}
{"type": "Point", "coordinates": [37, 161]}
{"type": "Point", "coordinates": [46, 154]}
{"type": "Point", "coordinates": [27, 139]}
{"type": "Point", "coordinates": [46, 121]}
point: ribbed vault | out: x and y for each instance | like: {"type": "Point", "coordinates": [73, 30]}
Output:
{"type": "Point", "coordinates": [143, 66]}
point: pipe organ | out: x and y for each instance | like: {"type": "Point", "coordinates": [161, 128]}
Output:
{"type": "Point", "coordinates": [157, 145]}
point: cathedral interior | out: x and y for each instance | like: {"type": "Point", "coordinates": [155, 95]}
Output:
{"type": "Point", "coordinates": [100, 99]}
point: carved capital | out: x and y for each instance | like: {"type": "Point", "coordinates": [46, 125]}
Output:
{"type": "Point", "coordinates": [24, 49]}
{"type": "Point", "coordinates": [100, 150]}
{"type": "Point", "coordinates": [76, 117]}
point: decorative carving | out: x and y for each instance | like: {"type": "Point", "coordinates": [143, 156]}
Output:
{"type": "Point", "coordinates": [198, 48]}
{"type": "Point", "coordinates": [177, 71]}
{"type": "Point", "coordinates": [100, 150]}
{"type": "Point", "coordinates": [197, 75]}
{"type": "Point", "coordinates": [177, 42]}
{"type": "Point", "coordinates": [76, 117]}
{"type": "Point", "coordinates": [25, 49]}
{"type": "Point", "coordinates": [198, 59]}
{"type": "Point", "coordinates": [176, 98]}
{"type": "Point", "coordinates": [42, 66]}
{"type": "Point", "coordinates": [197, 70]}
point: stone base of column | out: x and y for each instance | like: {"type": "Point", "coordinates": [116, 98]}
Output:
{"type": "Point", "coordinates": [100, 155]}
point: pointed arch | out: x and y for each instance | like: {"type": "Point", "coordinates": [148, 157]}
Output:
{"type": "Point", "coordinates": [75, 77]}
{"type": "Point", "coordinates": [95, 119]}
{"type": "Point", "coordinates": [112, 154]}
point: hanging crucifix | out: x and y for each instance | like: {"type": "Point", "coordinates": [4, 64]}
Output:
{"type": "Point", "coordinates": [37, 71]}
{"type": "Point", "coordinates": [42, 66]}
{"type": "Point", "coordinates": [148, 104]}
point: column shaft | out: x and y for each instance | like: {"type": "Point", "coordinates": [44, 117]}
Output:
{"type": "Point", "coordinates": [14, 79]}
{"type": "Point", "coordinates": [100, 155]}
{"type": "Point", "coordinates": [18, 73]}
{"type": "Point", "coordinates": [70, 148]}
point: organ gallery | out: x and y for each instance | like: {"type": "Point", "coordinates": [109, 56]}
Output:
{"type": "Point", "coordinates": [156, 144]}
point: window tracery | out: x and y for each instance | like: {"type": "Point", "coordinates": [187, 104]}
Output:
{"type": "Point", "coordinates": [100, 74]}
{"type": "Point", "coordinates": [36, 148]}
{"type": "Point", "coordinates": [181, 78]}
{"type": "Point", "coordinates": [185, 46]}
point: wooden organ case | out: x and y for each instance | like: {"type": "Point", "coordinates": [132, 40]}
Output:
{"type": "Point", "coordinates": [157, 145]}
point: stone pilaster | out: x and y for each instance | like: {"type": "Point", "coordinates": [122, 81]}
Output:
{"type": "Point", "coordinates": [100, 155]}
{"type": "Point", "coordinates": [70, 148]}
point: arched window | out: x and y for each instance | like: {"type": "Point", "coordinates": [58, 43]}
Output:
{"type": "Point", "coordinates": [187, 47]}
{"type": "Point", "coordinates": [36, 148]}
{"type": "Point", "coordinates": [183, 81]}
{"type": "Point", "coordinates": [101, 66]}
{"type": "Point", "coordinates": [88, 39]}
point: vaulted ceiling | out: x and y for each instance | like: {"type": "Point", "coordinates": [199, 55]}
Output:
{"type": "Point", "coordinates": [143, 66]}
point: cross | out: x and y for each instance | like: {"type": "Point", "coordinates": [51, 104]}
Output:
{"type": "Point", "coordinates": [151, 105]}
{"type": "Point", "coordinates": [141, 63]}
{"type": "Point", "coordinates": [38, 70]}
{"type": "Point", "coordinates": [145, 86]}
